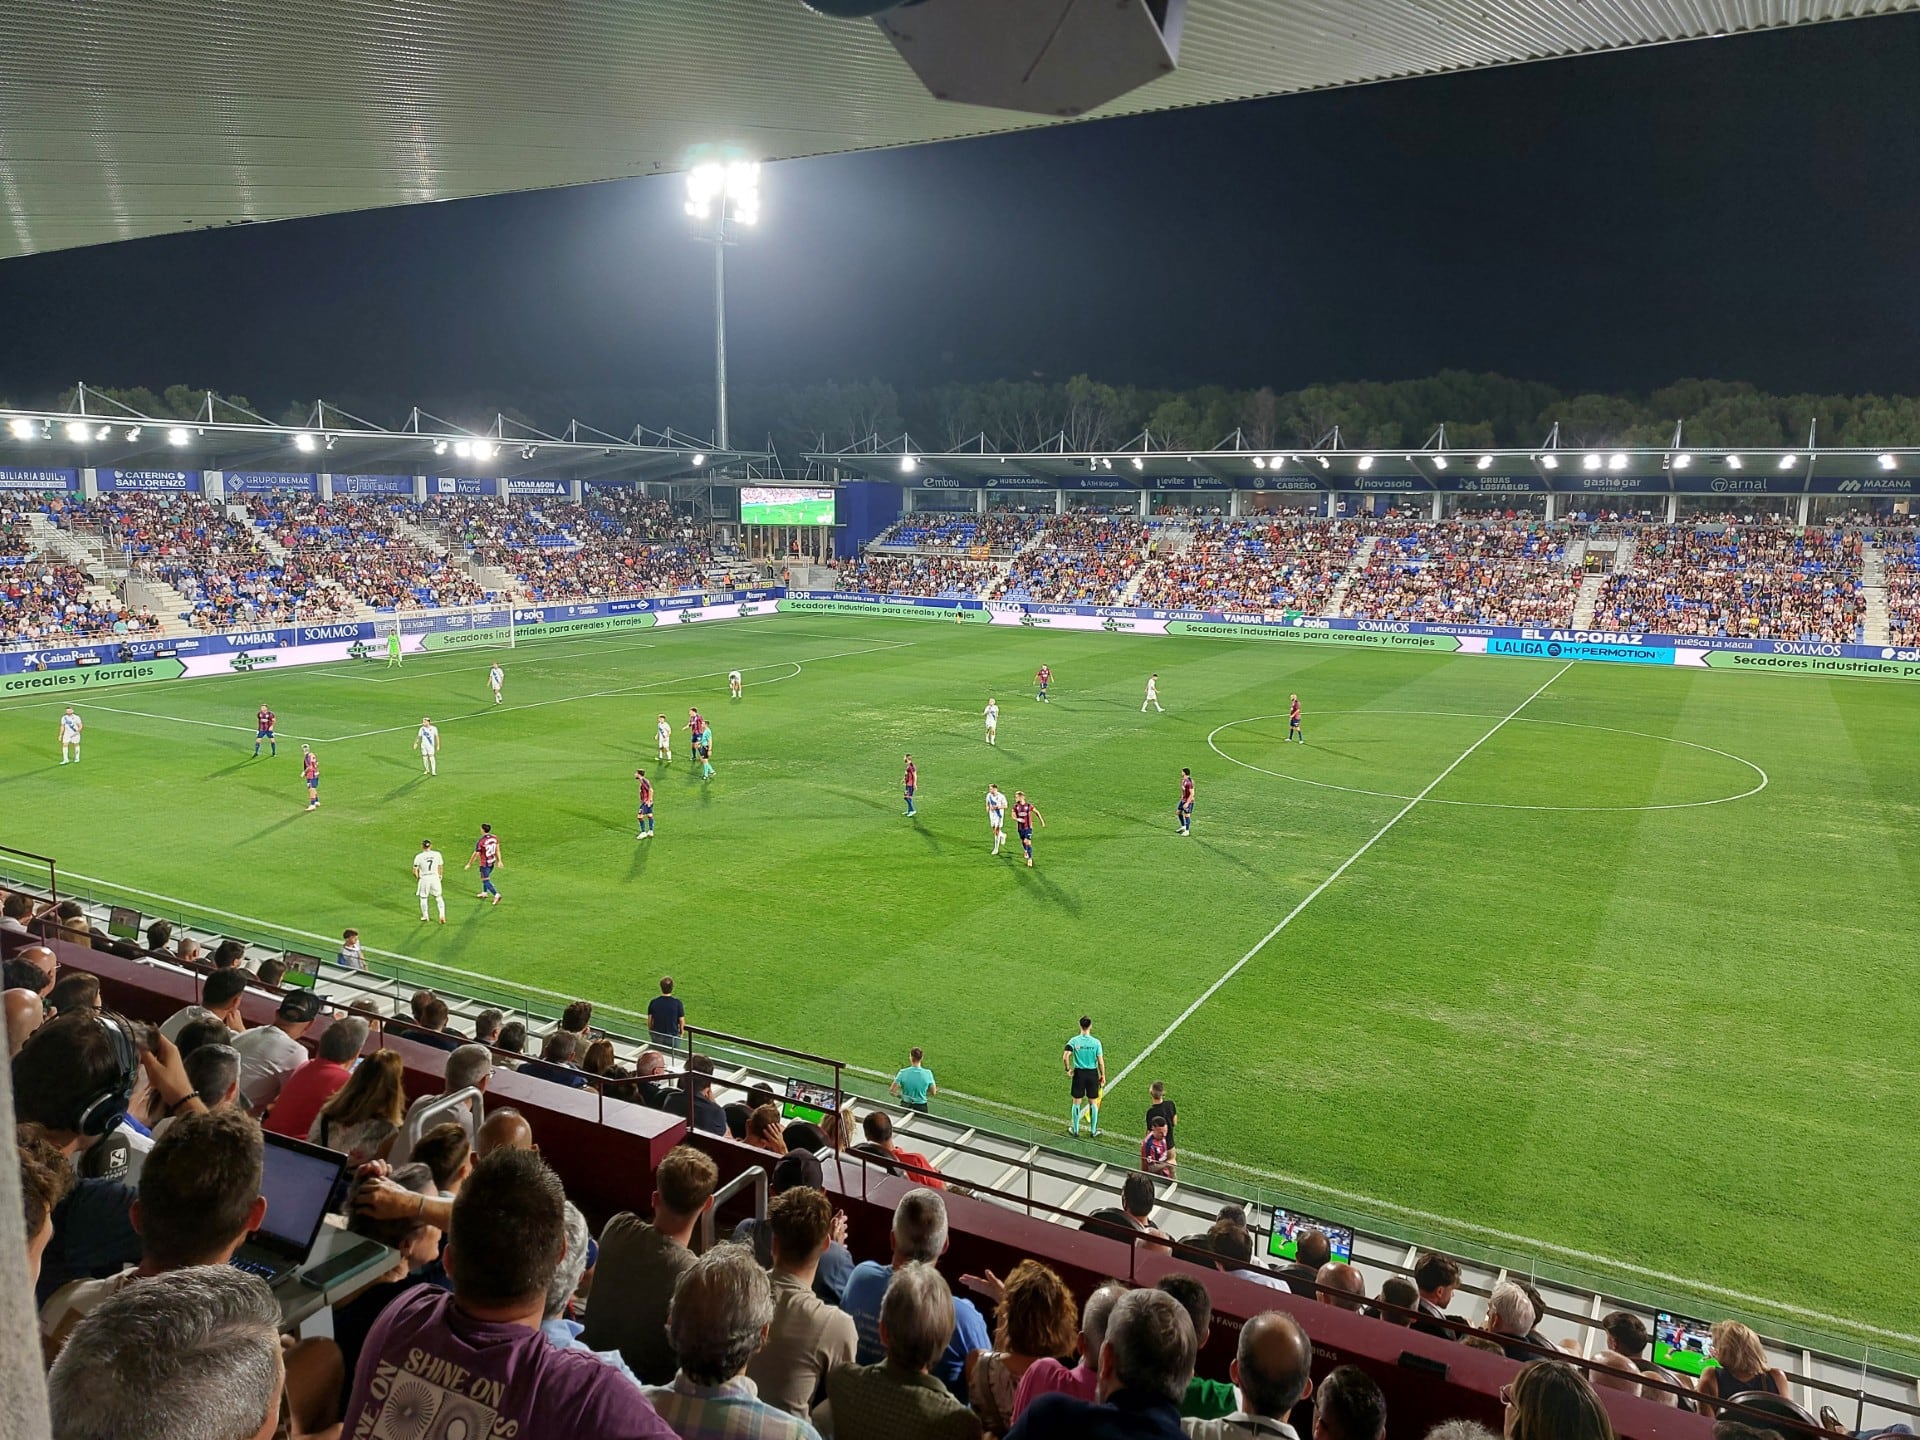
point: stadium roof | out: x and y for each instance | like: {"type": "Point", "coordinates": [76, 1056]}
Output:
{"type": "Point", "coordinates": [1610, 470]}
{"type": "Point", "coordinates": [124, 118]}
{"type": "Point", "coordinates": [102, 432]}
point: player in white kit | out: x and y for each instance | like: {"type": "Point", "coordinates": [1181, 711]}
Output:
{"type": "Point", "coordinates": [663, 741]}
{"type": "Point", "coordinates": [70, 727]}
{"type": "Point", "coordinates": [427, 868]}
{"type": "Point", "coordinates": [733, 683]}
{"type": "Point", "coordinates": [427, 742]}
{"type": "Point", "coordinates": [992, 716]}
{"type": "Point", "coordinates": [1153, 694]}
{"type": "Point", "coordinates": [997, 816]}
{"type": "Point", "coordinates": [496, 677]}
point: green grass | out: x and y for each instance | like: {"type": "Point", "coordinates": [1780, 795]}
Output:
{"type": "Point", "coordinates": [1680, 1039]}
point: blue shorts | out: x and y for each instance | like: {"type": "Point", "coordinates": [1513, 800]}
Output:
{"type": "Point", "coordinates": [1186, 808]}
{"type": "Point", "coordinates": [646, 810]}
{"type": "Point", "coordinates": [263, 735]}
{"type": "Point", "coordinates": [909, 790]}
{"type": "Point", "coordinates": [486, 872]}
{"type": "Point", "coordinates": [313, 787]}
{"type": "Point", "coordinates": [1026, 832]}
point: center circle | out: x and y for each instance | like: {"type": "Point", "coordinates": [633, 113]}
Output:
{"type": "Point", "coordinates": [1354, 764]}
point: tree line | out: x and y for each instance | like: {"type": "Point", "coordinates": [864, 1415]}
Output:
{"type": "Point", "coordinates": [1477, 409]}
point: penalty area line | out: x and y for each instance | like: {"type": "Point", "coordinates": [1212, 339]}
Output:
{"type": "Point", "coordinates": [1320, 889]}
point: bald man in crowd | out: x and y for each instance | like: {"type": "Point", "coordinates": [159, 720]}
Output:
{"type": "Point", "coordinates": [1341, 1286]}
{"type": "Point", "coordinates": [503, 1130]}
{"type": "Point", "coordinates": [1273, 1372]}
{"type": "Point", "coordinates": [24, 1014]}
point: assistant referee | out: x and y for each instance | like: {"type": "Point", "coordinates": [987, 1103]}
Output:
{"type": "Point", "coordinates": [1086, 1068]}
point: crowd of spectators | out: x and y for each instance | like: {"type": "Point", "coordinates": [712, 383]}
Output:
{"type": "Point", "coordinates": [1253, 565]}
{"type": "Point", "coordinates": [928, 575]}
{"type": "Point", "coordinates": [1461, 571]}
{"type": "Point", "coordinates": [195, 545]}
{"type": "Point", "coordinates": [43, 601]}
{"type": "Point", "coordinates": [1084, 558]}
{"type": "Point", "coordinates": [496, 1310]}
{"type": "Point", "coordinates": [1764, 581]}
{"type": "Point", "coordinates": [354, 547]}
{"type": "Point", "coordinates": [615, 543]}
{"type": "Point", "coordinates": [1000, 532]}
{"type": "Point", "coordinates": [1902, 554]}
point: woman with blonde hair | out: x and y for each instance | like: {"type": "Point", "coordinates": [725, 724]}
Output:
{"type": "Point", "coordinates": [1739, 1365]}
{"type": "Point", "coordinates": [838, 1127]}
{"type": "Point", "coordinates": [365, 1114]}
{"type": "Point", "coordinates": [1038, 1321]}
{"type": "Point", "coordinates": [1551, 1401]}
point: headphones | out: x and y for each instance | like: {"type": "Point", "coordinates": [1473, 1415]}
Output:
{"type": "Point", "coordinates": [101, 1111]}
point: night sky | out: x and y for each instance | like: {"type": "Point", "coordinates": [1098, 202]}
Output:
{"type": "Point", "coordinates": [1745, 208]}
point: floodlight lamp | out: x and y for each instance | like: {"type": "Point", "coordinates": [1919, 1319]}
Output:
{"type": "Point", "coordinates": [103, 432]}
{"type": "Point", "coordinates": [1439, 462]}
{"type": "Point", "coordinates": [1616, 462]}
{"type": "Point", "coordinates": [133, 434]}
{"type": "Point", "coordinates": [1325, 464]}
{"type": "Point", "coordinates": [706, 182]}
{"type": "Point", "coordinates": [1550, 462]}
{"type": "Point", "coordinates": [1590, 462]}
{"type": "Point", "coordinates": [908, 464]}
{"type": "Point", "coordinates": [1733, 462]}
{"type": "Point", "coordinates": [1786, 461]}
{"type": "Point", "coordinates": [78, 432]}
{"type": "Point", "coordinates": [303, 442]}
{"type": "Point", "coordinates": [699, 461]}
{"type": "Point", "coordinates": [1887, 462]}
{"type": "Point", "coordinates": [330, 440]}
{"type": "Point", "coordinates": [1682, 461]}
{"type": "Point", "coordinates": [1259, 461]}
{"type": "Point", "coordinates": [178, 436]}
{"type": "Point", "coordinates": [1366, 462]}
{"type": "Point", "coordinates": [482, 450]}
{"type": "Point", "coordinates": [1485, 462]}
{"type": "Point", "coordinates": [439, 447]}
{"type": "Point", "coordinates": [1138, 463]}
{"type": "Point", "coordinates": [20, 428]}
{"type": "Point", "coordinates": [463, 449]}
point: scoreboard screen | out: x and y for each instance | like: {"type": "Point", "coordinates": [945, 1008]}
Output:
{"type": "Point", "coordinates": [784, 505]}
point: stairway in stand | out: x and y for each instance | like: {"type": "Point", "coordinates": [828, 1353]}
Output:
{"type": "Point", "coordinates": [1337, 601]}
{"type": "Point", "coordinates": [1876, 627]}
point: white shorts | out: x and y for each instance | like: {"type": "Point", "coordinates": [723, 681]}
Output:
{"type": "Point", "coordinates": [429, 887]}
{"type": "Point", "coordinates": [997, 822]}
{"type": "Point", "coordinates": [992, 725]}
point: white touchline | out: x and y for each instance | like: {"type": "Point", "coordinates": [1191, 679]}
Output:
{"type": "Point", "coordinates": [1432, 1217]}
{"type": "Point", "coordinates": [1320, 889]}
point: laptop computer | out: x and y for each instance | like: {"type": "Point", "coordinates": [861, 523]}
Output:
{"type": "Point", "coordinates": [297, 1180]}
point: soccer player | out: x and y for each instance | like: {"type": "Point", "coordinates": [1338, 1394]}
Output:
{"type": "Point", "coordinates": [487, 851]}
{"type": "Point", "coordinates": [1042, 678]}
{"type": "Point", "coordinates": [1024, 814]}
{"type": "Point", "coordinates": [992, 716]}
{"type": "Point", "coordinates": [427, 742]}
{"type": "Point", "coordinates": [264, 722]}
{"type": "Point", "coordinates": [310, 772]}
{"type": "Point", "coordinates": [911, 782]}
{"type": "Point", "coordinates": [393, 648]}
{"type": "Point", "coordinates": [1086, 1066]}
{"type": "Point", "coordinates": [703, 747]}
{"type": "Point", "coordinates": [1186, 801]}
{"type": "Point", "coordinates": [496, 677]}
{"type": "Point", "coordinates": [733, 683]}
{"type": "Point", "coordinates": [663, 742]}
{"type": "Point", "coordinates": [70, 727]}
{"type": "Point", "coordinates": [1293, 720]}
{"type": "Point", "coordinates": [427, 868]}
{"type": "Point", "coordinates": [1153, 694]}
{"type": "Point", "coordinates": [1156, 1156]}
{"type": "Point", "coordinates": [695, 724]}
{"type": "Point", "coordinates": [996, 816]}
{"type": "Point", "coordinates": [645, 814]}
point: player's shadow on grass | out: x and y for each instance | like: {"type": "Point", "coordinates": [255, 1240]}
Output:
{"type": "Point", "coordinates": [406, 786]}
{"type": "Point", "coordinates": [1230, 858]}
{"type": "Point", "coordinates": [638, 866]}
{"type": "Point", "coordinates": [20, 775]}
{"type": "Point", "coordinates": [860, 797]}
{"type": "Point", "coordinates": [235, 768]}
{"type": "Point", "coordinates": [293, 819]}
{"type": "Point", "coordinates": [1054, 894]}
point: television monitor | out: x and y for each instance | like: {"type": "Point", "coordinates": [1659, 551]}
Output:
{"type": "Point", "coordinates": [807, 1101]}
{"type": "Point", "coordinates": [1682, 1345]}
{"type": "Point", "coordinates": [1282, 1240]}
{"type": "Point", "coordinates": [302, 970]}
{"type": "Point", "coordinates": [785, 505]}
{"type": "Point", "coordinates": [123, 923]}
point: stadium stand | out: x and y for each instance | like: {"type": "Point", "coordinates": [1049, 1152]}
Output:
{"type": "Point", "coordinates": [614, 544]}
{"type": "Point", "coordinates": [924, 575]}
{"type": "Point", "coordinates": [997, 532]}
{"type": "Point", "coordinates": [355, 548]}
{"type": "Point", "coordinates": [1456, 571]}
{"type": "Point", "coordinates": [1083, 558]}
{"type": "Point", "coordinates": [1005, 1204]}
{"type": "Point", "coordinates": [1902, 555]}
{"type": "Point", "coordinates": [1254, 565]}
{"type": "Point", "coordinates": [1767, 581]}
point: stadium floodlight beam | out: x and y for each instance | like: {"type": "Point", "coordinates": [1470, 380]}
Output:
{"type": "Point", "coordinates": [1138, 463]}
{"type": "Point", "coordinates": [20, 428]}
{"type": "Point", "coordinates": [1259, 461]}
{"type": "Point", "coordinates": [1550, 462]}
{"type": "Point", "coordinates": [1366, 462]}
{"type": "Point", "coordinates": [1439, 462]}
{"type": "Point", "coordinates": [1485, 462]}
{"type": "Point", "coordinates": [1733, 462]}
{"type": "Point", "coordinates": [303, 442]}
{"type": "Point", "coordinates": [103, 432]}
{"type": "Point", "coordinates": [1616, 462]}
{"type": "Point", "coordinates": [908, 464]}
{"type": "Point", "coordinates": [178, 436]}
{"type": "Point", "coordinates": [1682, 461]}
{"type": "Point", "coordinates": [1590, 462]}
{"type": "Point", "coordinates": [720, 188]}
{"type": "Point", "coordinates": [1786, 462]}
{"type": "Point", "coordinates": [1888, 462]}
{"type": "Point", "coordinates": [698, 460]}
{"type": "Point", "coordinates": [79, 431]}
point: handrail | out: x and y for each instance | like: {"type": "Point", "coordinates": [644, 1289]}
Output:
{"type": "Point", "coordinates": [753, 1176]}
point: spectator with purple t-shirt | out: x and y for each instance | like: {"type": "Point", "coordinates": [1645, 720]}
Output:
{"type": "Point", "coordinates": [476, 1359]}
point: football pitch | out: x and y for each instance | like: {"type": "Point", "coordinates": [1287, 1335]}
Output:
{"type": "Point", "coordinates": [1604, 969]}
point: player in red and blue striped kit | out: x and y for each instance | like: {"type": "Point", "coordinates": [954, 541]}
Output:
{"type": "Point", "coordinates": [486, 850]}
{"type": "Point", "coordinates": [265, 732]}
{"type": "Point", "coordinates": [1293, 720]}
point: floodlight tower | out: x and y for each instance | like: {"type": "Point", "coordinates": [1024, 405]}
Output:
{"type": "Point", "coordinates": [719, 191]}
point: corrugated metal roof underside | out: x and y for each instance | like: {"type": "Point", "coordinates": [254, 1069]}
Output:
{"type": "Point", "coordinates": [122, 118]}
